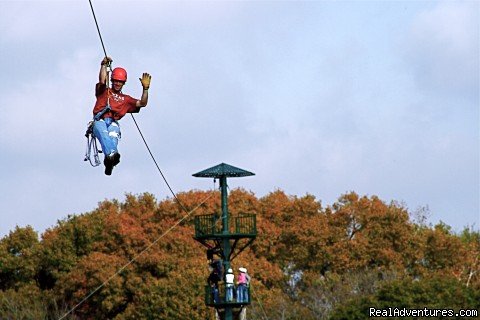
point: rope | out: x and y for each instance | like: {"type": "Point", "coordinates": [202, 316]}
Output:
{"type": "Point", "coordinates": [188, 213]}
{"type": "Point", "coordinates": [136, 257]}
{"type": "Point", "coordinates": [136, 124]}
{"type": "Point", "coordinates": [92, 145]}
{"type": "Point", "coordinates": [259, 302]}
{"type": "Point", "coordinates": [98, 29]}
{"type": "Point", "coordinates": [156, 164]}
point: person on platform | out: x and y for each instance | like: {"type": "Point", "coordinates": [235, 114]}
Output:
{"type": "Point", "coordinates": [243, 281]}
{"type": "Point", "coordinates": [229, 283]}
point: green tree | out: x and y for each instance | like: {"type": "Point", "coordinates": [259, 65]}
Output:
{"type": "Point", "coordinates": [18, 258]}
{"type": "Point", "coordinates": [434, 293]}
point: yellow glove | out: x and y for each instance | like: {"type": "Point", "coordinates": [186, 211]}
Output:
{"type": "Point", "coordinates": [145, 80]}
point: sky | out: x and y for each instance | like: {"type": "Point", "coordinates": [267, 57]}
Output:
{"type": "Point", "coordinates": [315, 97]}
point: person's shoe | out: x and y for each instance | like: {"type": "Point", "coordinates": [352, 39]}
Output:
{"type": "Point", "coordinates": [108, 165]}
{"type": "Point", "coordinates": [116, 158]}
{"type": "Point", "coordinates": [111, 161]}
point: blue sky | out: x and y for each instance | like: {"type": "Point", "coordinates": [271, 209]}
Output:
{"type": "Point", "coordinates": [319, 97]}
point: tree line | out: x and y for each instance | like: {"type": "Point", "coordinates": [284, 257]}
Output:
{"type": "Point", "coordinates": [308, 261]}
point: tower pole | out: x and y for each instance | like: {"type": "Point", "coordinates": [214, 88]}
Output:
{"type": "Point", "coordinates": [226, 241]}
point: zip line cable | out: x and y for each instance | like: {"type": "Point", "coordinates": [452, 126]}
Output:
{"type": "Point", "coordinates": [259, 302]}
{"type": "Point", "coordinates": [135, 257]}
{"type": "Point", "coordinates": [188, 213]}
{"type": "Point", "coordinates": [98, 29]}
{"type": "Point", "coordinates": [136, 124]}
{"type": "Point", "coordinates": [156, 164]}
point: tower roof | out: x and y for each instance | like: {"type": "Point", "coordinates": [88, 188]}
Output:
{"type": "Point", "coordinates": [223, 169]}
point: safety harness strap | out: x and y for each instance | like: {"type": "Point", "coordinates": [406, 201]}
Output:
{"type": "Point", "coordinates": [92, 145]}
{"type": "Point", "coordinates": [99, 115]}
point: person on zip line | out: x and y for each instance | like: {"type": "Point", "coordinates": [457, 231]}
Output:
{"type": "Point", "coordinates": [111, 106]}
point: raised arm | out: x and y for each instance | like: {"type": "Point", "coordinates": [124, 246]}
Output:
{"type": "Point", "coordinates": [102, 76]}
{"type": "Point", "coordinates": [145, 80]}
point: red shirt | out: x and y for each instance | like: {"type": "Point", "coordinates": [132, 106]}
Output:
{"type": "Point", "coordinates": [120, 103]}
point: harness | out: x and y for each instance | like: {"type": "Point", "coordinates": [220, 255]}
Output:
{"type": "Point", "coordinates": [91, 138]}
{"type": "Point", "coordinates": [92, 146]}
{"type": "Point", "coordinates": [107, 108]}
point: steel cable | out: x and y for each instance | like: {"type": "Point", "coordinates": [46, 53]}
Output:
{"type": "Point", "coordinates": [188, 213]}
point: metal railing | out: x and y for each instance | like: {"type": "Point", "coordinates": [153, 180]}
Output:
{"type": "Point", "coordinates": [222, 295]}
{"type": "Point", "coordinates": [212, 225]}
{"type": "Point", "coordinates": [246, 224]}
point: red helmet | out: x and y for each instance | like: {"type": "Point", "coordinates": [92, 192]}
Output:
{"type": "Point", "coordinates": [119, 74]}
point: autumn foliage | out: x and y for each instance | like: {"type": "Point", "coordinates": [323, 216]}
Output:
{"type": "Point", "coordinates": [133, 260]}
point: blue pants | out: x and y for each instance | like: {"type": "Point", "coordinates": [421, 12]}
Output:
{"type": "Point", "coordinates": [242, 293]}
{"type": "Point", "coordinates": [215, 294]}
{"type": "Point", "coordinates": [229, 292]}
{"type": "Point", "coordinates": [108, 133]}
